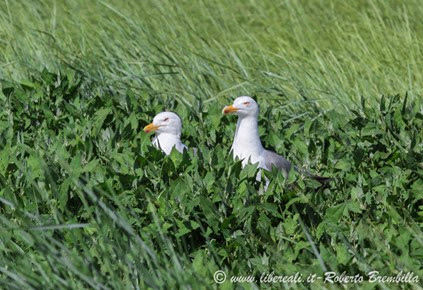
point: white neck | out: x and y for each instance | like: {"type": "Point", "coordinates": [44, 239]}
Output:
{"type": "Point", "coordinates": [247, 144]}
{"type": "Point", "coordinates": [166, 141]}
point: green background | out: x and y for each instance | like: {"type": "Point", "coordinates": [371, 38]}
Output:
{"type": "Point", "coordinates": [87, 202]}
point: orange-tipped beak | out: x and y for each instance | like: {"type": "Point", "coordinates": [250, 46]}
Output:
{"type": "Point", "coordinates": [229, 109]}
{"type": "Point", "coordinates": [150, 128]}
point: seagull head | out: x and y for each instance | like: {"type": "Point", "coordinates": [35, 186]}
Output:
{"type": "Point", "coordinates": [165, 122]}
{"type": "Point", "coordinates": [243, 107]}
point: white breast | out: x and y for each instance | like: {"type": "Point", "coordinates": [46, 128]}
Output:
{"type": "Point", "coordinates": [166, 142]}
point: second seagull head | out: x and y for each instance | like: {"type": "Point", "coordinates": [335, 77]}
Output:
{"type": "Point", "coordinates": [243, 106]}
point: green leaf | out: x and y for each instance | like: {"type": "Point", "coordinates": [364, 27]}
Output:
{"type": "Point", "coordinates": [333, 214]}
{"type": "Point", "coordinates": [99, 118]}
{"type": "Point", "coordinates": [342, 255]}
{"type": "Point", "coordinates": [343, 165]}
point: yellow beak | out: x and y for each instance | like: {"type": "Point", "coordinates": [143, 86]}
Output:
{"type": "Point", "coordinates": [150, 128]}
{"type": "Point", "coordinates": [229, 109]}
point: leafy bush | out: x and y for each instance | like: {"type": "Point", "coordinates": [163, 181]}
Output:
{"type": "Point", "coordinates": [86, 201]}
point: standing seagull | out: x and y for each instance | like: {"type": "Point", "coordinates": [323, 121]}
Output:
{"type": "Point", "coordinates": [247, 145]}
{"type": "Point", "coordinates": [168, 128]}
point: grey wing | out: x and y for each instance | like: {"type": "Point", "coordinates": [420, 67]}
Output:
{"type": "Point", "coordinates": [272, 159]}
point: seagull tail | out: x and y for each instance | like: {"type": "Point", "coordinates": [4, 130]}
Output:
{"type": "Point", "coordinates": [322, 179]}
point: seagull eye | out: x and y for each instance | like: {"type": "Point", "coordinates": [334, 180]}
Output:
{"type": "Point", "coordinates": [246, 103]}
{"type": "Point", "coordinates": [166, 119]}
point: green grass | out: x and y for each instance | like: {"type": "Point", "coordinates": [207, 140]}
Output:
{"type": "Point", "coordinates": [308, 49]}
{"type": "Point", "coordinates": [87, 202]}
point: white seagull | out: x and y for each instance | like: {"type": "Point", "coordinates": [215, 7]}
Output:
{"type": "Point", "coordinates": [247, 145]}
{"type": "Point", "coordinates": [168, 128]}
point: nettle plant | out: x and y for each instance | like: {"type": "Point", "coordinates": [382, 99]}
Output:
{"type": "Point", "coordinates": [83, 189]}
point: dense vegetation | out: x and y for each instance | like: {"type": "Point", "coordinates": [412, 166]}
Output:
{"type": "Point", "coordinates": [87, 202]}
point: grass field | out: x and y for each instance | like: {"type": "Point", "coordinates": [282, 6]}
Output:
{"type": "Point", "coordinates": [87, 202]}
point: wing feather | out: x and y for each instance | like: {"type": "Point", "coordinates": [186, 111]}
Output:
{"type": "Point", "coordinates": [272, 159]}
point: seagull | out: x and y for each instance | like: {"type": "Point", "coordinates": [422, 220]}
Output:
{"type": "Point", "coordinates": [168, 128]}
{"type": "Point", "coordinates": [247, 144]}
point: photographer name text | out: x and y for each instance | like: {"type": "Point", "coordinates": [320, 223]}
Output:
{"type": "Point", "coordinates": [328, 277]}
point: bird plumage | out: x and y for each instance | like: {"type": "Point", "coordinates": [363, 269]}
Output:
{"type": "Point", "coordinates": [247, 144]}
{"type": "Point", "coordinates": [168, 128]}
